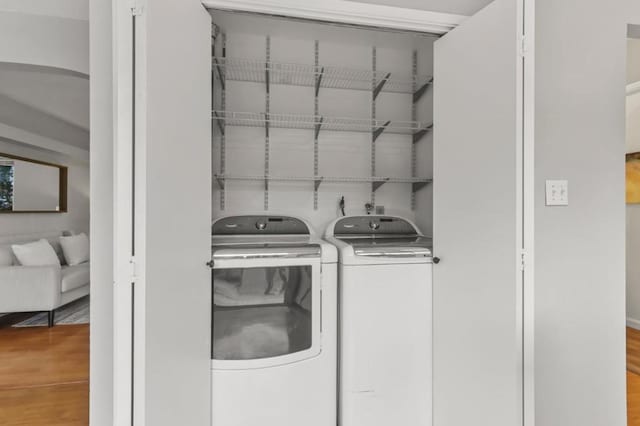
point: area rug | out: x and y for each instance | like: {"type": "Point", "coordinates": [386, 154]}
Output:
{"type": "Point", "coordinates": [76, 312]}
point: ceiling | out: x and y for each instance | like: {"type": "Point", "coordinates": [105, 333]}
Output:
{"type": "Point", "coordinates": [42, 101]}
{"type": "Point", "coordinates": [457, 7]}
{"type": "Point", "coordinates": [231, 22]}
{"type": "Point", "coordinates": [45, 102]}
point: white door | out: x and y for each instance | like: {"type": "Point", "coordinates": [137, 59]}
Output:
{"type": "Point", "coordinates": [171, 117]}
{"type": "Point", "coordinates": [478, 225]}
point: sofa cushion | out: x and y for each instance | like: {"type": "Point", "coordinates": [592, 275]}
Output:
{"type": "Point", "coordinates": [75, 276]}
{"type": "Point", "coordinates": [37, 253]}
{"type": "Point", "coordinates": [75, 248]}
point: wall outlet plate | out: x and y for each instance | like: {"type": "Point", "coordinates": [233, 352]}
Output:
{"type": "Point", "coordinates": [557, 193]}
{"type": "Point", "coordinates": [379, 209]}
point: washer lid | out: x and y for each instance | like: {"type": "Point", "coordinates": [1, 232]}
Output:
{"type": "Point", "coordinates": [389, 246]}
{"type": "Point", "coordinates": [381, 236]}
{"type": "Point", "coordinates": [373, 225]}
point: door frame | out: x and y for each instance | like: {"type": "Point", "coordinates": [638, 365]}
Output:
{"type": "Point", "coordinates": [364, 14]}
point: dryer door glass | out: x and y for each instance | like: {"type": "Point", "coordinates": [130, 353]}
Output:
{"type": "Point", "coordinates": [263, 312]}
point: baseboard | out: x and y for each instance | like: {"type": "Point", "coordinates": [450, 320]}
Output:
{"type": "Point", "coordinates": [633, 323]}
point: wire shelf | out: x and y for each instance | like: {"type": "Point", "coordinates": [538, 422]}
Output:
{"type": "Point", "coordinates": [377, 181]}
{"type": "Point", "coordinates": [252, 70]}
{"type": "Point", "coordinates": [317, 122]}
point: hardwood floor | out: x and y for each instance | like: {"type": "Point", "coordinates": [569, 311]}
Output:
{"type": "Point", "coordinates": [44, 376]}
{"type": "Point", "coordinates": [633, 350]}
{"type": "Point", "coordinates": [633, 377]}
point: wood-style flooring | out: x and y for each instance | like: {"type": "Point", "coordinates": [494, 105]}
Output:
{"type": "Point", "coordinates": [44, 376]}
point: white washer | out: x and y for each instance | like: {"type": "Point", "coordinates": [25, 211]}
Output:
{"type": "Point", "coordinates": [385, 345]}
{"type": "Point", "coordinates": [274, 325]}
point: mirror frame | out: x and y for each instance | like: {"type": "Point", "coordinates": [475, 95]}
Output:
{"type": "Point", "coordinates": [62, 188]}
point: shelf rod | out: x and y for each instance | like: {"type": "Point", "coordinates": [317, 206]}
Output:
{"type": "Point", "coordinates": [319, 81]}
{"type": "Point", "coordinates": [378, 131]}
{"type": "Point", "coordinates": [380, 85]}
{"type": "Point", "coordinates": [417, 136]}
{"type": "Point", "coordinates": [418, 94]}
{"type": "Point", "coordinates": [318, 127]}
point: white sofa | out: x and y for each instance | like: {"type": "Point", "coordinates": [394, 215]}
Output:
{"type": "Point", "coordinates": [39, 288]}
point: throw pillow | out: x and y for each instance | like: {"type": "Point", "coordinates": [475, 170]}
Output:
{"type": "Point", "coordinates": [75, 249]}
{"type": "Point", "coordinates": [37, 253]}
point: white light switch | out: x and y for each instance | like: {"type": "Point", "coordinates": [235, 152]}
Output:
{"type": "Point", "coordinates": [557, 193]}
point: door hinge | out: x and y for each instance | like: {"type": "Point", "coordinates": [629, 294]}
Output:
{"type": "Point", "coordinates": [133, 270]}
{"type": "Point", "coordinates": [524, 47]}
{"type": "Point", "coordinates": [136, 9]}
{"type": "Point", "coordinates": [523, 260]}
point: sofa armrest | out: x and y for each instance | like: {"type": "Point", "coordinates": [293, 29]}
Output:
{"type": "Point", "coordinates": [29, 288]}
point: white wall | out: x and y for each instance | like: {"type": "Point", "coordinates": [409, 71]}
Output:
{"type": "Point", "coordinates": [633, 210]}
{"type": "Point", "coordinates": [77, 217]}
{"type": "Point", "coordinates": [340, 153]}
{"type": "Point", "coordinates": [580, 255]}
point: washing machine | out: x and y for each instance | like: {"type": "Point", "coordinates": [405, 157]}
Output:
{"type": "Point", "coordinates": [274, 323]}
{"type": "Point", "coordinates": [385, 321]}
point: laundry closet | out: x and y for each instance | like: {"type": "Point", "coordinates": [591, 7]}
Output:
{"type": "Point", "coordinates": [305, 113]}
{"type": "Point", "coordinates": [320, 121]}
{"type": "Point", "coordinates": [288, 115]}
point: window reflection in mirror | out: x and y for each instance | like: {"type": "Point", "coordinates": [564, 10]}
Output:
{"type": "Point", "coordinates": [31, 186]}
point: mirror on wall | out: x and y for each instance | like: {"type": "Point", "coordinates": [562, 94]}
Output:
{"type": "Point", "coordinates": [31, 186]}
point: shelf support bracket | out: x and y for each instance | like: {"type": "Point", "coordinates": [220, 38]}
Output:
{"type": "Point", "coordinates": [319, 81]}
{"type": "Point", "coordinates": [220, 74]}
{"type": "Point", "coordinates": [219, 122]}
{"type": "Point", "coordinates": [220, 180]}
{"type": "Point", "coordinates": [416, 186]}
{"type": "Point", "coordinates": [417, 136]}
{"type": "Point", "coordinates": [380, 85]}
{"type": "Point", "coordinates": [418, 93]}
{"type": "Point", "coordinates": [377, 184]}
{"type": "Point", "coordinates": [266, 183]}
{"type": "Point", "coordinates": [317, 182]}
{"type": "Point", "coordinates": [318, 127]}
{"type": "Point", "coordinates": [378, 131]}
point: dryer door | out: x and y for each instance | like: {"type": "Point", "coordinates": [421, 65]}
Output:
{"type": "Point", "coordinates": [266, 312]}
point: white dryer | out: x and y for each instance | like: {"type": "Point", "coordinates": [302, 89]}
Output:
{"type": "Point", "coordinates": [274, 325]}
{"type": "Point", "coordinates": [385, 311]}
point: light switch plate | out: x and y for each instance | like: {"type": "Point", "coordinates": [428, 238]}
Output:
{"type": "Point", "coordinates": [557, 193]}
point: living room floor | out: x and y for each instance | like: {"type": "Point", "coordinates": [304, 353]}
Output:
{"type": "Point", "coordinates": [44, 376]}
